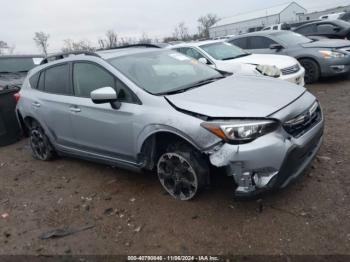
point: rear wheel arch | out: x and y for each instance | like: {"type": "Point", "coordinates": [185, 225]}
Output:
{"type": "Point", "coordinates": [24, 127]}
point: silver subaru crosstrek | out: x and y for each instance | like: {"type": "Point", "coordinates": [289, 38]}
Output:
{"type": "Point", "coordinates": [147, 108]}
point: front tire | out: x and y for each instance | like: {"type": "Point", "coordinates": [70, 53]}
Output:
{"type": "Point", "coordinates": [182, 172]}
{"type": "Point", "coordinates": [312, 70]}
{"type": "Point", "coordinates": [40, 143]}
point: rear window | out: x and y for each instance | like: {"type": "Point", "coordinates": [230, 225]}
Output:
{"type": "Point", "coordinates": [57, 80]}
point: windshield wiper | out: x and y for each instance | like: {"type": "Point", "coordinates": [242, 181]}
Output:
{"type": "Point", "coordinates": [192, 85]}
{"type": "Point", "coordinates": [234, 57]}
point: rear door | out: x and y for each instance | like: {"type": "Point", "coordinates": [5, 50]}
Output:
{"type": "Point", "coordinates": [51, 102]}
{"type": "Point", "coordinates": [98, 128]}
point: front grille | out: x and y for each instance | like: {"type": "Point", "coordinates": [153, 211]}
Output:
{"type": "Point", "coordinates": [299, 125]}
{"type": "Point", "coordinates": [290, 70]}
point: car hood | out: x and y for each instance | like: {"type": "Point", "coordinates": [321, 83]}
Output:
{"type": "Point", "coordinates": [327, 43]}
{"type": "Point", "coordinates": [280, 61]}
{"type": "Point", "coordinates": [238, 96]}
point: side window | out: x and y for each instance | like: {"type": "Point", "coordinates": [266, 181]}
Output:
{"type": "Point", "coordinates": [89, 77]}
{"type": "Point", "coordinates": [191, 52]}
{"type": "Point", "coordinates": [57, 80]}
{"type": "Point", "coordinates": [260, 42]}
{"type": "Point", "coordinates": [194, 53]}
{"type": "Point", "coordinates": [306, 30]}
{"type": "Point", "coordinates": [33, 80]}
{"type": "Point", "coordinates": [275, 27]}
{"type": "Point", "coordinates": [346, 17]}
{"type": "Point", "coordinates": [326, 28]}
{"type": "Point", "coordinates": [41, 82]}
{"type": "Point", "coordinates": [240, 42]}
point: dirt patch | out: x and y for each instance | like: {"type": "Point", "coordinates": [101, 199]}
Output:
{"type": "Point", "coordinates": [132, 214]}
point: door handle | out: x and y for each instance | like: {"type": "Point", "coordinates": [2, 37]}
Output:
{"type": "Point", "coordinates": [75, 109]}
{"type": "Point", "coordinates": [36, 104]}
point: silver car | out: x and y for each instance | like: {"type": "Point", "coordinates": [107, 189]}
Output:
{"type": "Point", "coordinates": [156, 109]}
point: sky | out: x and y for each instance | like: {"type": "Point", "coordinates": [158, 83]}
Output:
{"type": "Point", "coordinates": [90, 19]}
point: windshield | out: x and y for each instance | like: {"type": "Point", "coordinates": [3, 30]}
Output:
{"type": "Point", "coordinates": [291, 37]}
{"type": "Point", "coordinates": [18, 64]}
{"type": "Point", "coordinates": [160, 72]}
{"type": "Point", "coordinates": [223, 51]}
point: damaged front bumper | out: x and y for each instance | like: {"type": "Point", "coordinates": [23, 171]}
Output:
{"type": "Point", "coordinates": [270, 162]}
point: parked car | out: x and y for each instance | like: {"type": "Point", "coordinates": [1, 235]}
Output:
{"type": "Point", "coordinates": [223, 37]}
{"type": "Point", "coordinates": [156, 109]}
{"type": "Point", "coordinates": [282, 26]}
{"type": "Point", "coordinates": [338, 29]}
{"type": "Point", "coordinates": [13, 69]}
{"type": "Point", "coordinates": [227, 57]}
{"type": "Point", "coordinates": [294, 25]}
{"type": "Point", "coordinates": [332, 16]}
{"type": "Point", "coordinates": [319, 58]}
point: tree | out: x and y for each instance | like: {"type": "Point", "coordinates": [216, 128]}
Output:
{"type": "Point", "coordinates": [82, 45]}
{"type": "Point", "coordinates": [205, 22]}
{"type": "Point", "coordinates": [41, 40]}
{"type": "Point", "coordinates": [144, 39]}
{"type": "Point", "coordinates": [181, 32]}
{"type": "Point", "coordinates": [110, 41]}
{"type": "Point", "coordinates": [3, 46]}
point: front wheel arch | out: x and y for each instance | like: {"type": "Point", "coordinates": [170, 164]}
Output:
{"type": "Point", "coordinates": [316, 75]}
{"type": "Point", "coordinates": [157, 143]}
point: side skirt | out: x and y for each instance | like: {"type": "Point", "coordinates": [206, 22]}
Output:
{"type": "Point", "coordinates": [107, 160]}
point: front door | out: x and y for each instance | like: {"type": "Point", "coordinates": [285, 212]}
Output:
{"type": "Point", "coordinates": [98, 128]}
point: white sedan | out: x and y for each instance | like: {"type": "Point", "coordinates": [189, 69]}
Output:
{"type": "Point", "coordinates": [227, 57]}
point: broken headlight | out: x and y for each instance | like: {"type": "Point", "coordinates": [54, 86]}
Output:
{"type": "Point", "coordinates": [269, 70]}
{"type": "Point", "coordinates": [240, 131]}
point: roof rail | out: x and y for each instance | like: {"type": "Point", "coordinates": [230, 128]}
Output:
{"type": "Point", "coordinates": [134, 45]}
{"type": "Point", "coordinates": [62, 55]}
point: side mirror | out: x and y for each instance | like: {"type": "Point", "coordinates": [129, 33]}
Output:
{"type": "Point", "coordinates": [203, 60]}
{"type": "Point", "coordinates": [276, 47]}
{"type": "Point", "coordinates": [105, 95]}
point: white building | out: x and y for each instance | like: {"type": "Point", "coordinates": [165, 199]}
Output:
{"type": "Point", "coordinates": [248, 22]}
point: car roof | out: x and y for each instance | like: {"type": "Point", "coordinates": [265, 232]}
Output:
{"type": "Point", "coordinates": [111, 53]}
{"type": "Point", "coordinates": [260, 33]}
{"type": "Point", "coordinates": [197, 44]}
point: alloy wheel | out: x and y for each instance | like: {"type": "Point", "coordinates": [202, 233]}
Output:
{"type": "Point", "coordinates": [39, 145]}
{"type": "Point", "coordinates": [177, 176]}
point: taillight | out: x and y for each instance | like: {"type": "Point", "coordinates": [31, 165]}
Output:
{"type": "Point", "coordinates": [17, 96]}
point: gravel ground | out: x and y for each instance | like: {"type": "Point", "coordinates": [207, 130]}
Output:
{"type": "Point", "coordinates": [120, 212]}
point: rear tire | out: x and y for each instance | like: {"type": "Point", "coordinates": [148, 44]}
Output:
{"type": "Point", "coordinates": [182, 171]}
{"type": "Point", "coordinates": [312, 70]}
{"type": "Point", "coordinates": [40, 143]}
